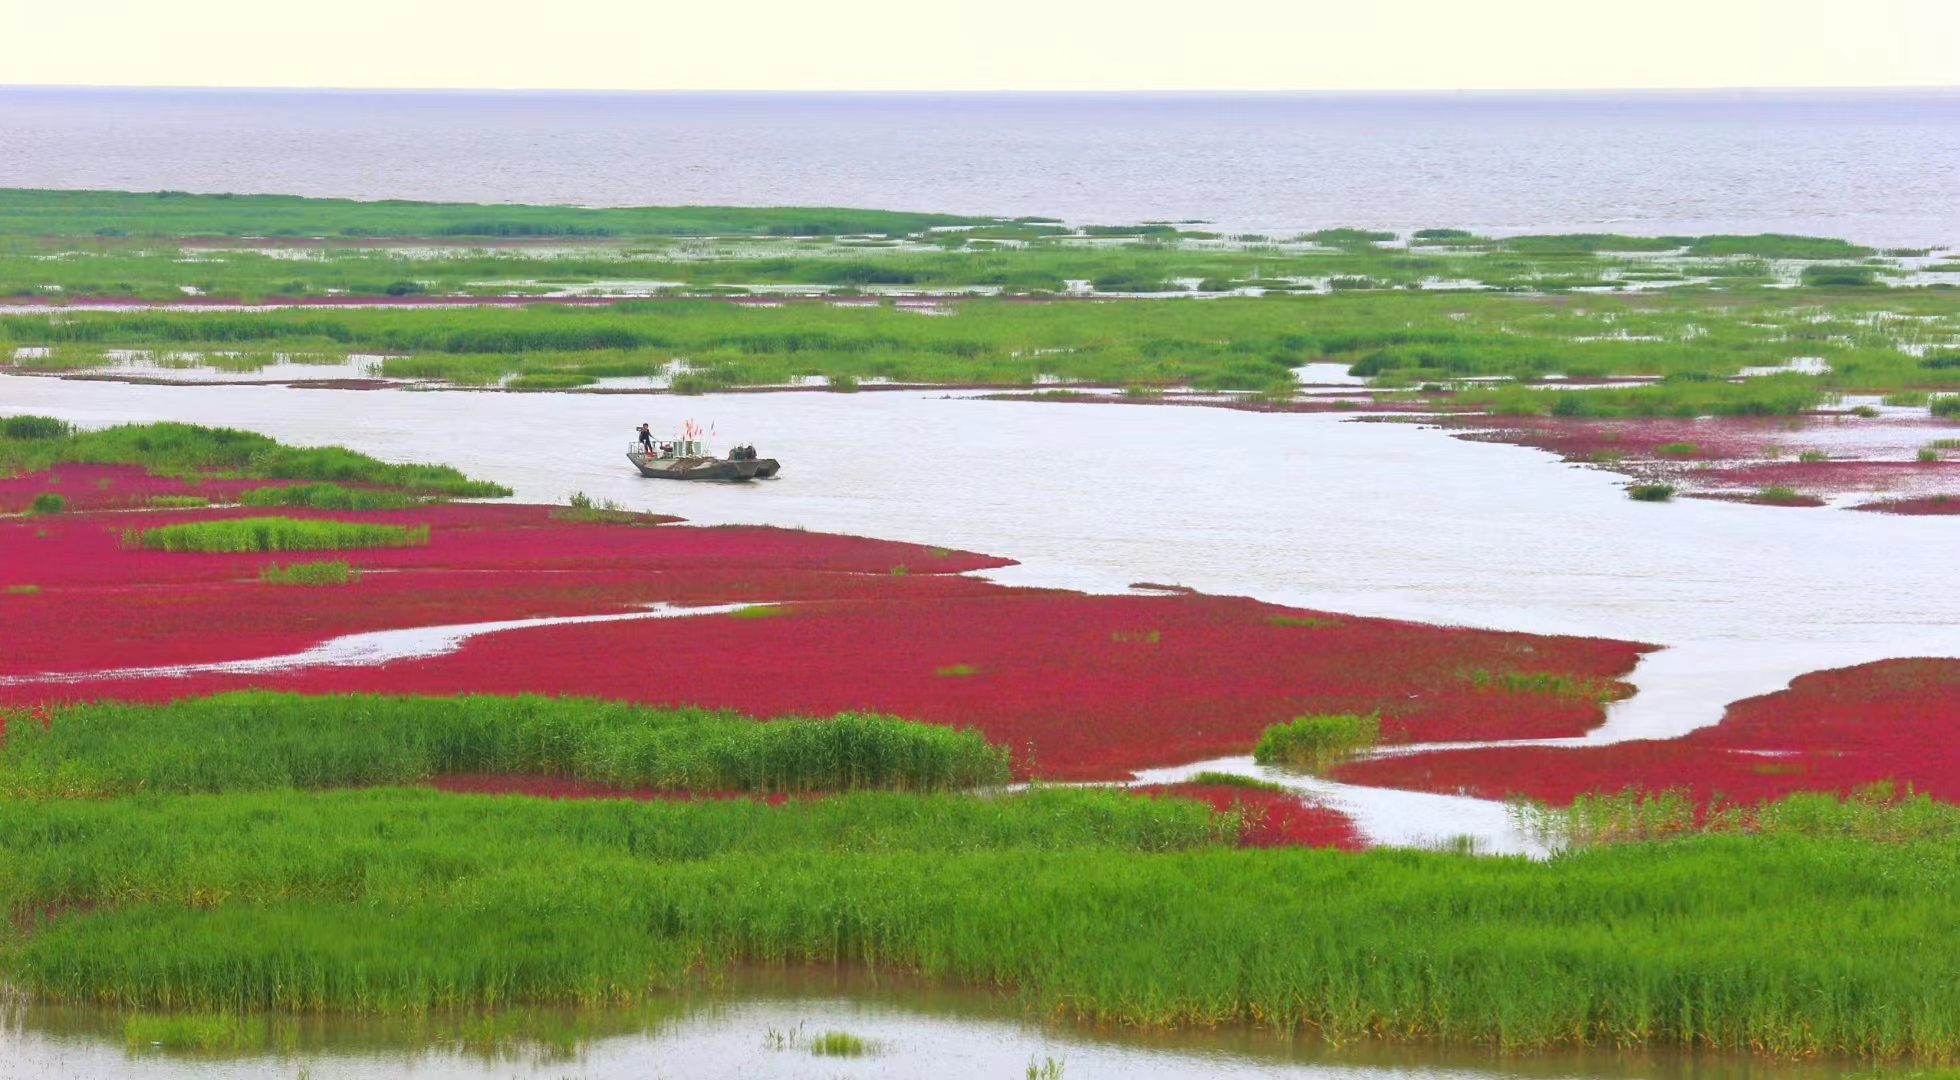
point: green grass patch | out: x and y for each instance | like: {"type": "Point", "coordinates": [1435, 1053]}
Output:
{"type": "Point", "coordinates": [840, 1044]}
{"type": "Point", "coordinates": [1234, 780]}
{"type": "Point", "coordinates": [47, 502]}
{"type": "Point", "coordinates": [198, 1033]}
{"type": "Point", "coordinates": [583, 507]}
{"type": "Point", "coordinates": [189, 449]}
{"type": "Point", "coordinates": [33, 428]}
{"type": "Point", "coordinates": [1878, 813]}
{"type": "Point", "coordinates": [1839, 277]}
{"type": "Point", "coordinates": [320, 572]}
{"type": "Point", "coordinates": [955, 671]}
{"type": "Point", "coordinates": [550, 380]}
{"type": "Point", "coordinates": [1677, 449]}
{"type": "Point", "coordinates": [327, 497]}
{"type": "Point", "coordinates": [23, 590]}
{"type": "Point", "coordinates": [1307, 621]}
{"type": "Point", "coordinates": [259, 740]}
{"type": "Point", "coordinates": [1650, 492]}
{"type": "Point", "coordinates": [1313, 743]}
{"type": "Point", "coordinates": [177, 502]}
{"type": "Point", "coordinates": [275, 534]}
{"type": "Point", "coordinates": [1545, 682]}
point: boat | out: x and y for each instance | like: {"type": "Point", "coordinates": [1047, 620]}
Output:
{"type": "Point", "coordinates": [688, 459]}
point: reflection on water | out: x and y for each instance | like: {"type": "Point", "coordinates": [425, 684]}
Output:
{"type": "Point", "coordinates": [761, 1025]}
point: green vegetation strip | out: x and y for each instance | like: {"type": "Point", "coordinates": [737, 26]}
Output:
{"type": "Point", "coordinates": [253, 740]}
{"type": "Point", "coordinates": [327, 497]}
{"type": "Point", "coordinates": [1405, 340]}
{"type": "Point", "coordinates": [275, 534]}
{"type": "Point", "coordinates": [1094, 904]}
{"type": "Point", "coordinates": [41, 212]}
{"type": "Point", "coordinates": [32, 443]}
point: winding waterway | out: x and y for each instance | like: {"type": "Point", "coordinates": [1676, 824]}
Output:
{"type": "Point", "coordinates": [1304, 509]}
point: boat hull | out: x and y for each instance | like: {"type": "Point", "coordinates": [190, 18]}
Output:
{"type": "Point", "coordinates": [704, 468]}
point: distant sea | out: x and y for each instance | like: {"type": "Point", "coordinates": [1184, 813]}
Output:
{"type": "Point", "coordinates": [1877, 167]}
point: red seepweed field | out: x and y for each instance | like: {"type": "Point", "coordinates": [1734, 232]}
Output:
{"type": "Point", "coordinates": [1896, 720]}
{"type": "Point", "coordinates": [1079, 687]}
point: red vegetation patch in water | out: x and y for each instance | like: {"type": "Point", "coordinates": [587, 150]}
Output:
{"type": "Point", "coordinates": [1272, 818]}
{"type": "Point", "coordinates": [1713, 438]}
{"type": "Point", "coordinates": [1731, 456]}
{"type": "Point", "coordinates": [1896, 720]}
{"type": "Point", "coordinates": [1759, 498]}
{"type": "Point", "coordinates": [1079, 687]}
{"type": "Point", "coordinates": [1834, 475]}
{"type": "Point", "coordinates": [1934, 504]}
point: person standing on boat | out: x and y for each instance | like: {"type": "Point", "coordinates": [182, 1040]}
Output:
{"type": "Point", "coordinates": [646, 440]}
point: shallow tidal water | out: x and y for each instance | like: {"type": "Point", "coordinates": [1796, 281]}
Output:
{"type": "Point", "coordinates": [1877, 167]}
{"type": "Point", "coordinates": [762, 1028]}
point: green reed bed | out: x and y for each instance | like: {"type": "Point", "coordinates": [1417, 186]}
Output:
{"type": "Point", "coordinates": [1398, 337]}
{"type": "Point", "coordinates": [252, 740]}
{"type": "Point", "coordinates": [30, 443]}
{"type": "Point", "coordinates": [1093, 904]}
{"type": "Point", "coordinates": [275, 534]}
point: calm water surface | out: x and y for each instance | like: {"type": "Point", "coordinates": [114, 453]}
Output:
{"type": "Point", "coordinates": [761, 1031]}
{"type": "Point", "coordinates": [1881, 168]}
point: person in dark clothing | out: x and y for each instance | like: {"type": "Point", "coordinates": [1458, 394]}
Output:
{"type": "Point", "coordinates": [646, 439]}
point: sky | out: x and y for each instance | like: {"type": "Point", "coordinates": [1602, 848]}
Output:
{"type": "Point", "coordinates": [888, 45]}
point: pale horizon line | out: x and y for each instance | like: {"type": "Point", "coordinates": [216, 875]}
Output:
{"type": "Point", "coordinates": [1221, 92]}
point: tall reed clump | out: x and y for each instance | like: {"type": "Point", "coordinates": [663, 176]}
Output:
{"type": "Point", "coordinates": [319, 572]}
{"type": "Point", "coordinates": [327, 497]}
{"type": "Point", "coordinates": [259, 740]}
{"type": "Point", "coordinates": [1315, 742]}
{"type": "Point", "coordinates": [274, 534]}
